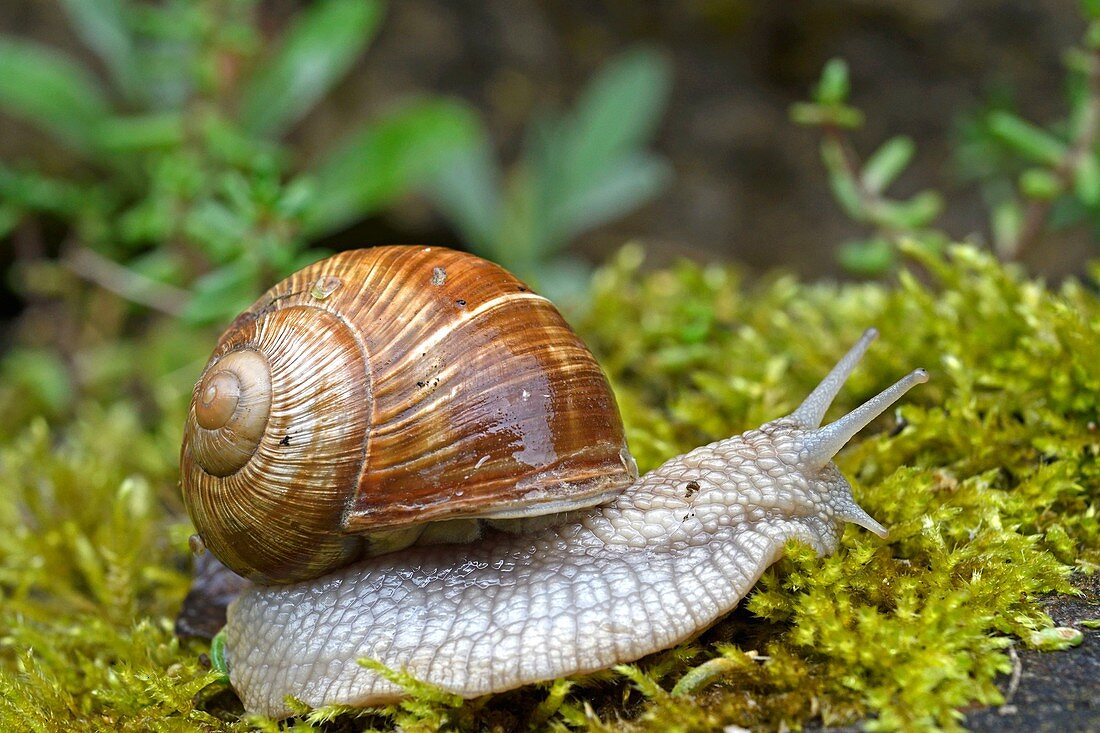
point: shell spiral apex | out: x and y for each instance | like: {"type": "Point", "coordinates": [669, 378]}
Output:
{"type": "Point", "coordinates": [232, 403]}
{"type": "Point", "coordinates": [267, 508]}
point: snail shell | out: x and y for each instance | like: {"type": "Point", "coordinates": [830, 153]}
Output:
{"type": "Point", "coordinates": [380, 390]}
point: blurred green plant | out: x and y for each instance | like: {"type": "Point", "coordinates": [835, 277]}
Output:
{"type": "Point", "coordinates": [578, 170]}
{"type": "Point", "coordinates": [1035, 178]}
{"type": "Point", "coordinates": [187, 202]}
{"type": "Point", "coordinates": [859, 186]}
{"type": "Point", "coordinates": [183, 199]}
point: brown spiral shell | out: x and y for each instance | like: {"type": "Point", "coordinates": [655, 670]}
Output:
{"type": "Point", "coordinates": [389, 387]}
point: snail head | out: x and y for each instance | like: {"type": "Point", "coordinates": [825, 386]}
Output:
{"type": "Point", "coordinates": [808, 448]}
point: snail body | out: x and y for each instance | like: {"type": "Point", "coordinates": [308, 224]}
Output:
{"type": "Point", "coordinates": [657, 562]}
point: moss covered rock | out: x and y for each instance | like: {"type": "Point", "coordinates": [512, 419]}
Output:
{"type": "Point", "coordinates": [987, 477]}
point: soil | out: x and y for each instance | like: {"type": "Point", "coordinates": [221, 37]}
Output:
{"type": "Point", "coordinates": [1057, 692]}
{"type": "Point", "coordinates": [1054, 691]}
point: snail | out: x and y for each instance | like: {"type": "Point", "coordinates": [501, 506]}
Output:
{"type": "Point", "coordinates": [416, 461]}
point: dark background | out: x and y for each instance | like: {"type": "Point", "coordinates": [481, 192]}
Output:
{"type": "Point", "coordinates": [749, 185]}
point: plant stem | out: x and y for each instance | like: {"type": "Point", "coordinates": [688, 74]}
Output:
{"type": "Point", "coordinates": [871, 201]}
{"type": "Point", "coordinates": [124, 282]}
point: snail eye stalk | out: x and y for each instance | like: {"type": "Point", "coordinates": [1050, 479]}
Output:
{"type": "Point", "coordinates": [824, 443]}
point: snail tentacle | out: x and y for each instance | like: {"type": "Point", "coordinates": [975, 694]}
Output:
{"type": "Point", "coordinates": [822, 444]}
{"type": "Point", "coordinates": [812, 410]}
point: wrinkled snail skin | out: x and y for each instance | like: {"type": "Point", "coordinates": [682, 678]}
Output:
{"type": "Point", "coordinates": [657, 565]}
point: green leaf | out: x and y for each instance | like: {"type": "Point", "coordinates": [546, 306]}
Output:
{"type": "Point", "coordinates": [615, 190]}
{"type": "Point", "coordinates": [318, 49]}
{"type": "Point", "coordinates": [617, 112]}
{"type": "Point", "coordinates": [546, 709]}
{"type": "Point", "coordinates": [386, 158]}
{"type": "Point", "coordinates": [1092, 35]}
{"type": "Point", "coordinates": [40, 376]}
{"type": "Point", "coordinates": [226, 141]}
{"type": "Point", "coordinates": [1040, 183]}
{"type": "Point", "coordinates": [140, 132]}
{"type": "Point", "coordinates": [1006, 221]}
{"type": "Point", "coordinates": [217, 655]}
{"type": "Point", "coordinates": [218, 229]}
{"type": "Point", "coordinates": [834, 86]}
{"type": "Point", "coordinates": [101, 24]}
{"type": "Point", "coordinates": [1086, 180]}
{"type": "Point", "coordinates": [9, 219]}
{"type": "Point", "coordinates": [812, 114]}
{"type": "Point", "coordinates": [1025, 138]}
{"type": "Point", "coordinates": [808, 114]}
{"type": "Point", "coordinates": [578, 167]}
{"type": "Point", "coordinates": [868, 258]}
{"type": "Point", "coordinates": [417, 689]}
{"type": "Point", "coordinates": [845, 188]}
{"type": "Point", "coordinates": [28, 190]}
{"type": "Point", "coordinates": [221, 294]}
{"type": "Point", "coordinates": [887, 163]}
{"type": "Point", "coordinates": [296, 197]}
{"type": "Point", "coordinates": [46, 88]}
{"type": "Point", "coordinates": [916, 213]}
{"type": "Point", "coordinates": [467, 191]}
{"type": "Point", "coordinates": [518, 240]}
{"type": "Point", "coordinates": [564, 281]}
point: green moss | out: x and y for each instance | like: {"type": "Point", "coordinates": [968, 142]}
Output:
{"type": "Point", "coordinates": [990, 492]}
